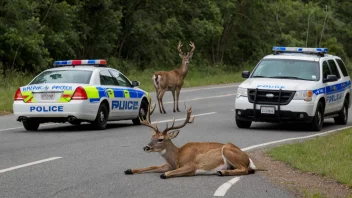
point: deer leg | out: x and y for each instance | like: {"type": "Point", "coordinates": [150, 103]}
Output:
{"type": "Point", "coordinates": [161, 95]}
{"type": "Point", "coordinates": [178, 90]}
{"type": "Point", "coordinates": [234, 159]}
{"type": "Point", "coordinates": [173, 96]}
{"type": "Point", "coordinates": [157, 98]}
{"type": "Point", "coordinates": [183, 171]}
{"type": "Point", "coordinates": [155, 169]}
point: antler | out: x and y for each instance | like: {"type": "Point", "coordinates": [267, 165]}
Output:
{"type": "Point", "coordinates": [179, 48]}
{"type": "Point", "coordinates": [189, 112]}
{"type": "Point", "coordinates": [147, 121]}
{"type": "Point", "coordinates": [192, 50]}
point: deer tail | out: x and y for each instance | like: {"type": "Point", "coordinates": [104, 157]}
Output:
{"type": "Point", "coordinates": [156, 80]}
{"type": "Point", "coordinates": [253, 168]}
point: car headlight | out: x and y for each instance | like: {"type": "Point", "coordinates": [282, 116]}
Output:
{"type": "Point", "coordinates": [303, 95]}
{"type": "Point", "coordinates": [241, 92]}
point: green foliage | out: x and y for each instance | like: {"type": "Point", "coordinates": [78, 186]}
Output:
{"type": "Point", "coordinates": [328, 156]}
{"type": "Point", "coordinates": [34, 33]}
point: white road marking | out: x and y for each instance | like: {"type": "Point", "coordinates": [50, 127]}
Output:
{"type": "Point", "coordinates": [29, 164]}
{"type": "Point", "coordinates": [221, 191]}
{"type": "Point", "coordinates": [220, 87]}
{"type": "Point", "coordinates": [197, 115]}
{"type": "Point", "coordinates": [23, 128]}
{"type": "Point", "coordinates": [202, 98]}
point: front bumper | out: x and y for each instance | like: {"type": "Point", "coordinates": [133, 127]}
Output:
{"type": "Point", "coordinates": [56, 112]}
{"type": "Point", "coordinates": [295, 111]}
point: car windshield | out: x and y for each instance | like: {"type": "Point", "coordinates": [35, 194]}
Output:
{"type": "Point", "coordinates": [63, 76]}
{"type": "Point", "coordinates": [288, 69]}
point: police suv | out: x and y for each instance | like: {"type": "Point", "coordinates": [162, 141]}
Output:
{"type": "Point", "coordinates": [80, 91]}
{"type": "Point", "coordinates": [295, 84]}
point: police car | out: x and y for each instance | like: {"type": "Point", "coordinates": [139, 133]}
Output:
{"type": "Point", "coordinates": [294, 84]}
{"type": "Point", "coordinates": [80, 91]}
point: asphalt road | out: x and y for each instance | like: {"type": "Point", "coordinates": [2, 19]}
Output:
{"type": "Point", "coordinates": [92, 162]}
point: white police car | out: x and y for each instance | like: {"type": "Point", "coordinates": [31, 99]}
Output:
{"type": "Point", "coordinates": [295, 84]}
{"type": "Point", "coordinates": [80, 91]}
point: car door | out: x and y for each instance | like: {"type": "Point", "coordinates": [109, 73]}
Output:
{"type": "Point", "coordinates": [328, 93]}
{"type": "Point", "coordinates": [115, 97]}
{"type": "Point", "coordinates": [345, 80]}
{"type": "Point", "coordinates": [335, 89]}
{"type": "Point", "coordinates": [130, 95]}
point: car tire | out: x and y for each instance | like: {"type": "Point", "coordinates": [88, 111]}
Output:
{"type": "Point", "coordinates": [343, 115]}
{"type": "Point", "coordinates": [30, 125]}
{"type": "Point", "coordinates": [101, 120]}
{"type": "Point", "coordinates": [142, 112]}
{"type": "Point", "coordinates": [243, 123]}
{"type": "Point", "coordinates": [318, 119]}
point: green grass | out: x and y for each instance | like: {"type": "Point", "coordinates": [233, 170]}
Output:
{"type": "Point", "coordinates": [329, 156]}
{"type": "Point", "coordinates": [195, 77]}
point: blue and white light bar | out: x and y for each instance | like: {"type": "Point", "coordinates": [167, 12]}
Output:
{"type": "Point", "coordinates": [79, 62]}
{"type": "Point", "coordinates": [300, 49]}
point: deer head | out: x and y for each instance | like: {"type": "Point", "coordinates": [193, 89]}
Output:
{"type": "Point", "coordinates": [160, 139]}
{"type": "Point", "coordinates": [186, 57]}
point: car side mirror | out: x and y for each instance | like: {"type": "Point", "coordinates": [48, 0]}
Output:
{"type": "Point", "coordinates": [245, 74]}
{"type": "Point", "coordinates": [135, 83]}
{"type": "Point", "coordinates": [330, 78]}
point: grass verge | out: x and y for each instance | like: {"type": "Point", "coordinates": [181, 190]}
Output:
{"type": "Point", "coordinates": [328, 156]}
{"type": "Point", "coordinates": [195, 77]}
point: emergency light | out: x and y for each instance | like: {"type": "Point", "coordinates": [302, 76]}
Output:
{"type": "Point", "coordinates": [277, 49]}
{"type": "Point", "coordinates": [98, 62]}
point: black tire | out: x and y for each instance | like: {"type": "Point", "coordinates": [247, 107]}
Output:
{"type": "Point", "coordinates": [101, 120]}
{"type": "Point", "coordinates": [243, 123]}
{"type": "Point", "coordinates": [31, 125]}
{"type": "Point", "coordinates": [318, 119]}
{"type": "Point", "coordinates": [142, 112]}
{"type": "Point", "coordinates": [343, 115]}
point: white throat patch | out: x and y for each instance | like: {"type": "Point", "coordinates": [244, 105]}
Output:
{"type": "Point", "coordinates": [162, 152]}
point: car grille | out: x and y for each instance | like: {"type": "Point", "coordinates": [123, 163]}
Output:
{"type": "Point", "coordinates": [261, 96]}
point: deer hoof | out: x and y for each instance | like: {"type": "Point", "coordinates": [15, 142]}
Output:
{"type": "Point", "coordinates": [128, 172]}
{"type": "Point", "coordinates": [219, 173]}
{"type": "Point", "coordinates": [163, 176]}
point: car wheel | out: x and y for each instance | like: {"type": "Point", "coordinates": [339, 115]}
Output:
{"type": "Point", "coordinates": [101, 120]}
{"type": "Point", "coordinates": [318, 119]}
{"type": "Point", "coordinates": [142, 113]}
{"type": "Point", "coordinates": [30, 125]}
{"type": "Point", "coordinates": [243, 123]}
{"type": "Point", "coordinates": [343, 115]}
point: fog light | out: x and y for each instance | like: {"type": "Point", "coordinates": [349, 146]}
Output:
{"type": "Point", "coordinates": [301, 115]}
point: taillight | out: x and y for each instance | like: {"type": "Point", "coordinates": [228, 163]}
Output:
{"type": "Point", "coordinates": [18, 95]}
{"type": "Point", "coordinates": [80, 94]}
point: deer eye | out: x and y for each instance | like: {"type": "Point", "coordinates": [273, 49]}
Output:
{"type": "Point", "coordinates": [160, 140]}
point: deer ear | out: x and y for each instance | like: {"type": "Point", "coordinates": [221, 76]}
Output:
{"type": "Point", "coordinates": [173, 134]}
{"type": "Point", "coordinates": [180, 55]}
{"type": "Point", "coordinates": [152, 131]}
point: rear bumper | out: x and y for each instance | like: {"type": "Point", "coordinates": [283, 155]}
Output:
{"type": "Point", "coordinates": [56, 112]}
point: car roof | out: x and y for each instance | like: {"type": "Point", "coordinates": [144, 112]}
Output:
{"type": "Point", "coordinates": [298, 56]}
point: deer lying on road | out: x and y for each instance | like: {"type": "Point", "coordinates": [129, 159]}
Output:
{"type": "Point", "coordinates": [194, 157]}
{"type": "Point", "coordinates": [172, 80]}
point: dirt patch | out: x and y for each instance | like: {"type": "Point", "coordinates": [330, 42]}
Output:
{"type": "Point", "coordinates": [5, 113]}
{"type": "Point", "coordinates": [295, 181]}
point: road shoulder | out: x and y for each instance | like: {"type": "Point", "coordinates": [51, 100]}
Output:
{"type": "Point", "coordinates": [295, 181]}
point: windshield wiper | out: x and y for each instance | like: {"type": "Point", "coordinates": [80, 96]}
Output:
{"type": "Point", "coordinates": [288, 77]}
{"type": "Point", "coordinates": [259, 77]}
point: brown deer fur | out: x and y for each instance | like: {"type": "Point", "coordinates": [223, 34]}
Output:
{"type": "Point", "coordinates": [193, 158]}
{"type": "Point", "coordinates": [172, 80]}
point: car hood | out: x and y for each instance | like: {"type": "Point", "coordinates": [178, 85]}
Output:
{"type": "Point", "coordinates": [273, 83]}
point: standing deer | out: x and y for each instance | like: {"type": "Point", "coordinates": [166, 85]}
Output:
{"type": "Point", "coordinates": [172, 80]}
{"type": "Point", "coordinates": [193, 158]}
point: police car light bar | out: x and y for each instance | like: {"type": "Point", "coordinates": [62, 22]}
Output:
{"type": "Point", "coordinates": [301, 50]}
{"type": "Point", "coordinates": [99, 62]}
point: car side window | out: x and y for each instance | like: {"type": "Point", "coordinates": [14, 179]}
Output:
{"type": "Point", "coordinates": [106, 78]}
{"type": "Point", "coordinates": [121, 80]}
{"type": "Point", "coordinates": [342, 67]}
{"type": "Point", "coordinates": [326, 70]}
{"type": "Point", "coordinates": [333, 68]}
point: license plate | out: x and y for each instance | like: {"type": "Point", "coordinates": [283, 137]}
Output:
{"type": "Point", "coordinates": [47, 96]}
{"type": "Point", "coordinates": [267, 110]}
